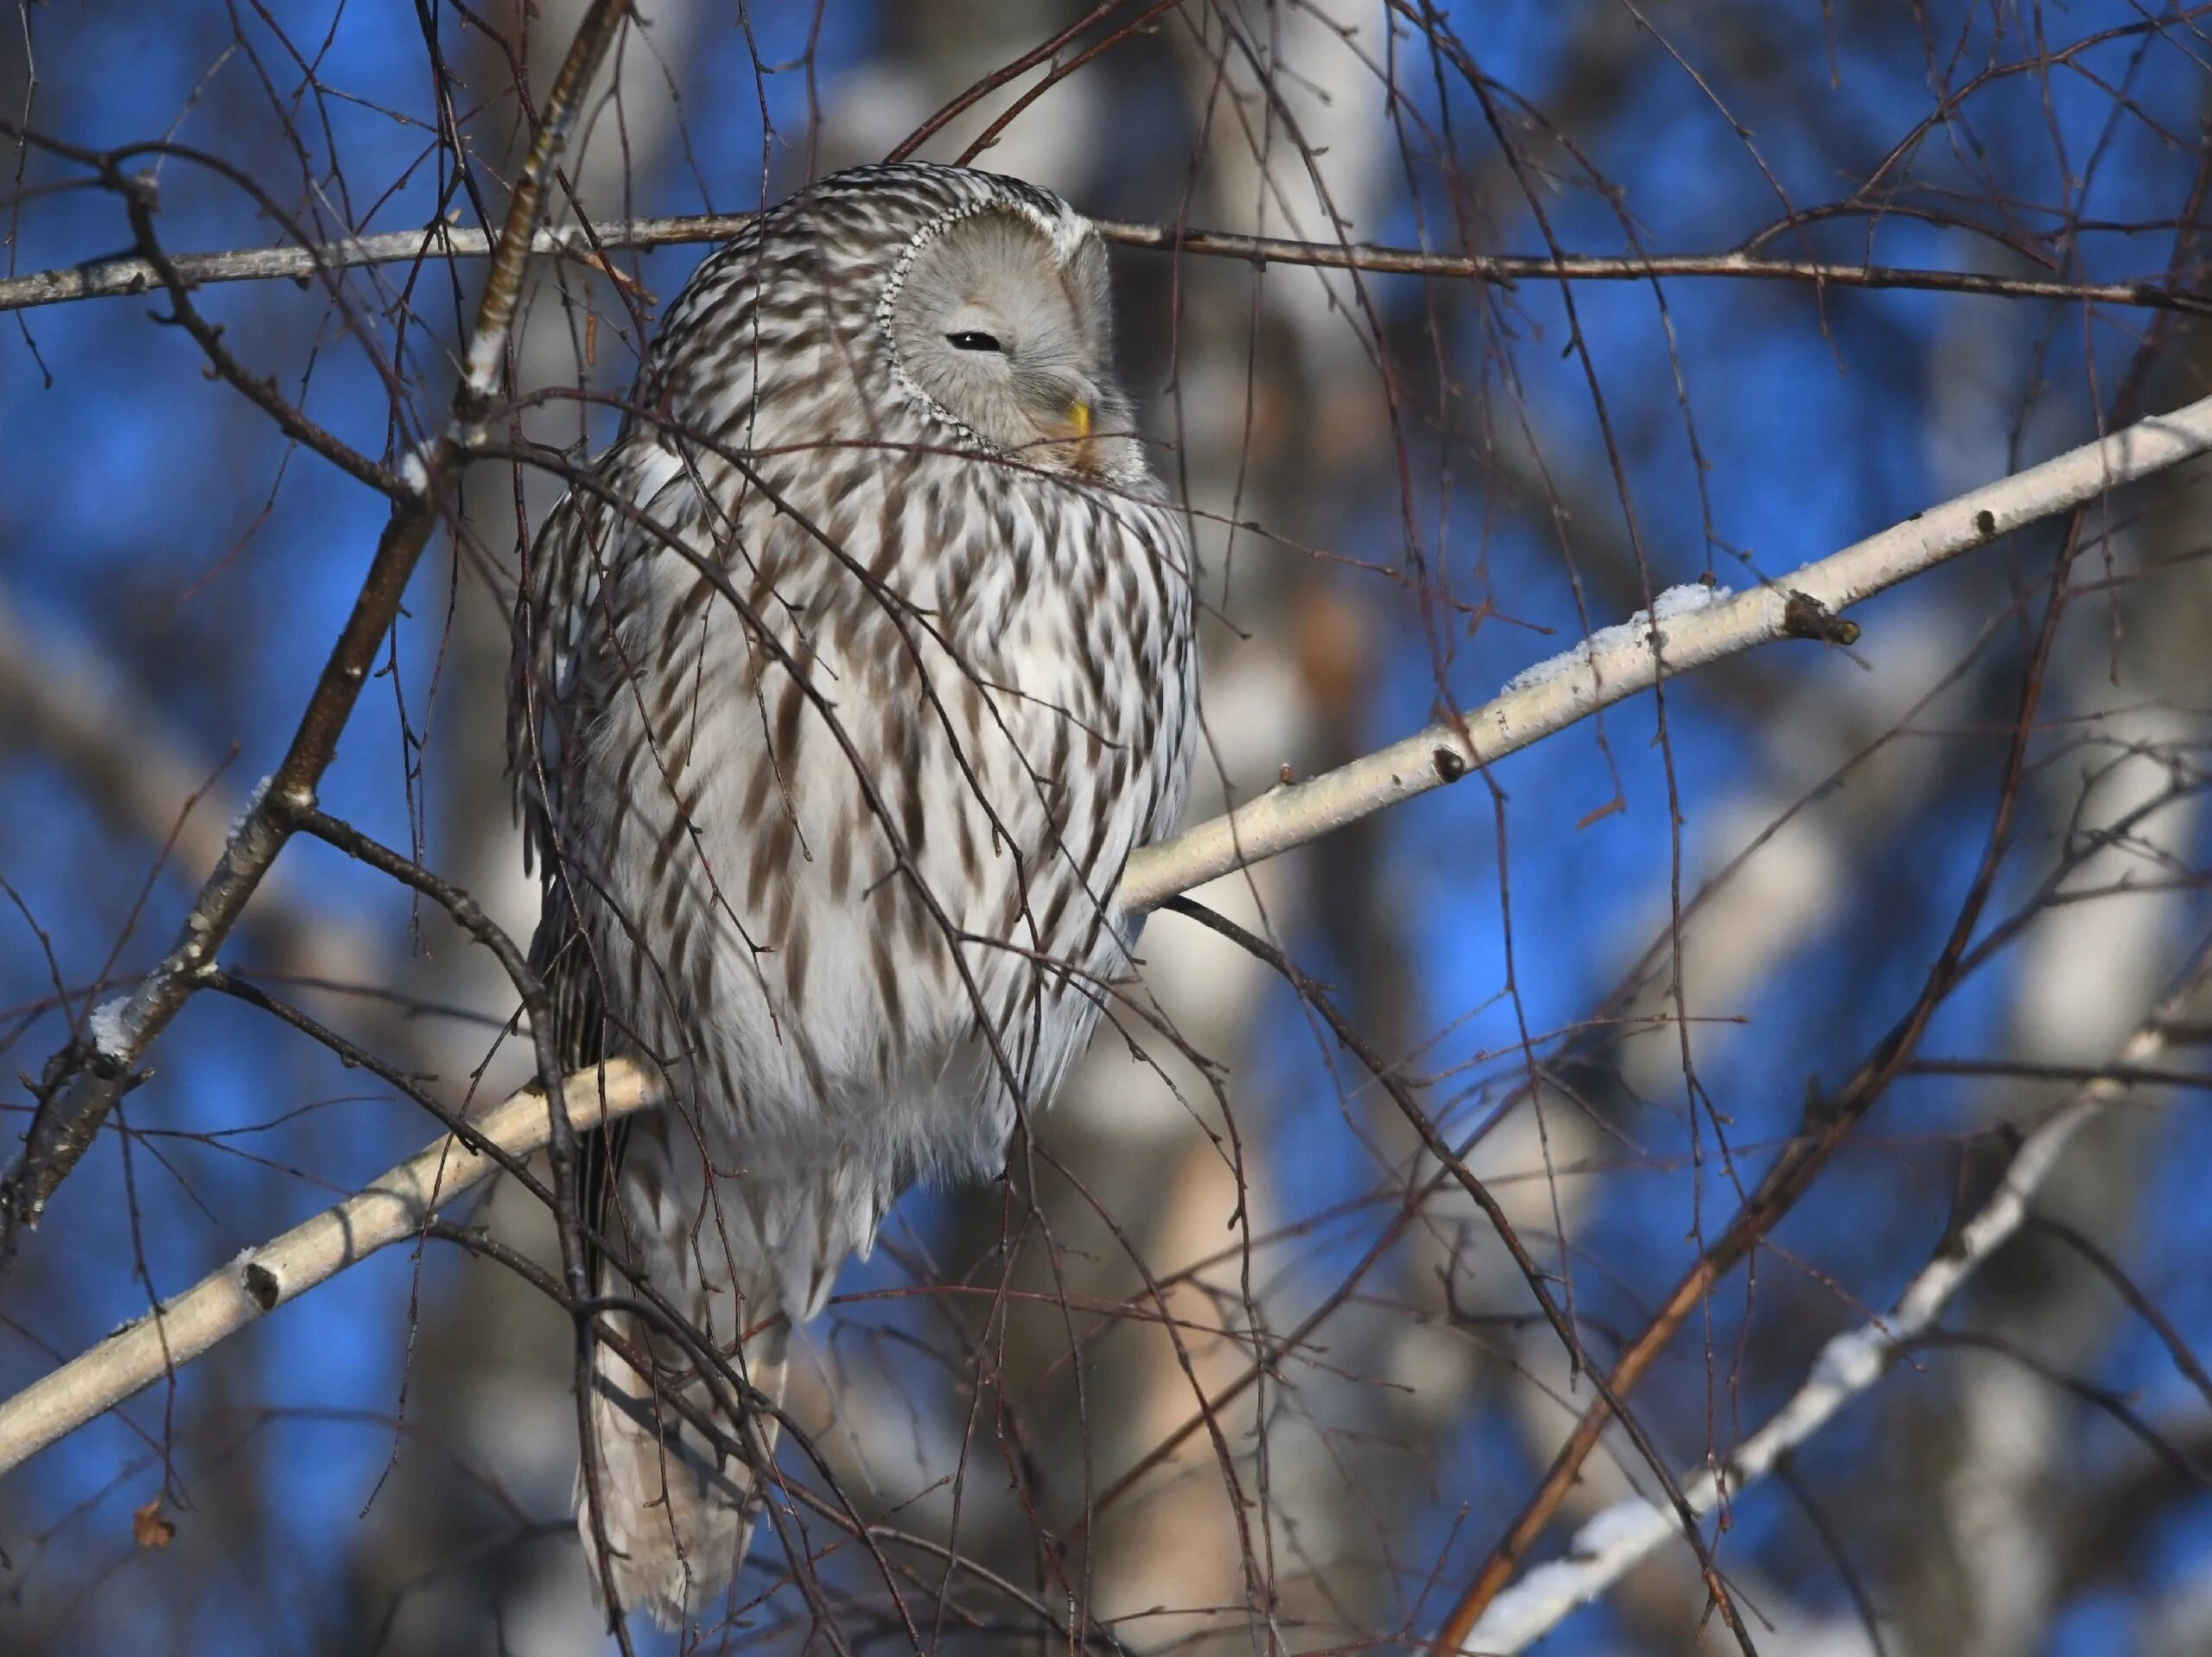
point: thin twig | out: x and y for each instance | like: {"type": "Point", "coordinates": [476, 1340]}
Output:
{"type": "Point", "coordinates": [1613, 1542]}
{"type": "Point", "coordinates": [84, 1085]}
{"type": "Point", "coordinates": [390, 1209]}
{"type": "Point", "coordinates": [121, 277]}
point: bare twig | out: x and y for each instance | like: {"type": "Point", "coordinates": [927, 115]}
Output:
{"type": "Point", "coordinates": [120, 277]}
{"type": "Point", "coordinates": [390, 1209]}
{"type": "Point", "coordinates": [83, 1088]}
{"type": "Point", "coordinates": [1613, 1542]}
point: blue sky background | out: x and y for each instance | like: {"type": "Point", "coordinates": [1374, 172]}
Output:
{"type": "Point", "coordinates": [137, 521]}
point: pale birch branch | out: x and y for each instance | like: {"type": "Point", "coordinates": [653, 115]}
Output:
{"type": "Point", "coordinates": [119, 277]}
{"type": "Point", "coordinates": [1615, 1541]}
{"type": "Point", "coordinates": [388, 1210]}
{"type": "Point", "coordinates": [1585, 680]}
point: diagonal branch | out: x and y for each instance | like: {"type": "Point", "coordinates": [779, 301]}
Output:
{"type": "Point", "coordinates": [1613, 1542]}
{"type": "Point", "coordinates": [1621, 662]}
{"type": "Point", "coordinates": [388, 1210]}
{"type": "Point", "coordinates": [1402, 1095]}
{"type": "Point", "coordinates": [84, 1082]}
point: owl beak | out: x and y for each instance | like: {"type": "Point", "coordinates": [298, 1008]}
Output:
{"type": "Point", "coordinates": [1071, 434]}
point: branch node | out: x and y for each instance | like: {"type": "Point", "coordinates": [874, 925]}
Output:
{"type": "Point", "coordinates": [260, 1283]}
{"type": "Point", "coordinates": [295, 800]}
{"type": "Point", "coordinates": [1806, 617]}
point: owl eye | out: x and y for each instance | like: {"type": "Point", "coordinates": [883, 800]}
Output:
{"type": "Point", "coordinates": [971, 340]}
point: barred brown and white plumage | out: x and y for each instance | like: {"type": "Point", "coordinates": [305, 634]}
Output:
{"type": "Point", "coordinates": [847, 680]}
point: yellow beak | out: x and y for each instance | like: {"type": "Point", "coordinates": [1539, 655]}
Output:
{"type": "Point", "coordinates": [1079, 418]}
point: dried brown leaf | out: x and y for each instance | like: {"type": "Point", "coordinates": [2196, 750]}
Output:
{"type": "Point", "coordinates": [149, 1529]}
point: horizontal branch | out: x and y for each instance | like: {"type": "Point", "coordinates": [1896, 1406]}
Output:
{"type": "Point", "coordinates": [119, 277]}
{"type": "Point", "coordinates": [388, 1210]}
{"type": "Point", "coordinates": [1622, 661]}
{"type": "Point", "coordinates": [1615, 1541]}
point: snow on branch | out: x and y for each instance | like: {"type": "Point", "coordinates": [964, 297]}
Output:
{"type": "Point", "coordinates": [388, 1210]}
{"type": "Point", "coordinates": [1691, 630]}
{"type": "Point", "coordinates": [1615, 1541]}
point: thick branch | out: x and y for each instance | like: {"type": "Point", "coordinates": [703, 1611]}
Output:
{"type": "Point", "coordinates": [1615, 1541]}
{"type": "Point", "coordinates": [1800, 605]}
{"type": "Point", "coordinates": [388, 1210]}
{"type": "Point", "coordinates": [119, 277]}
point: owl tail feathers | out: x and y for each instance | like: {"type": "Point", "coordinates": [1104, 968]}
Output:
{"type": "Point", "coordinates": [679, 1510]}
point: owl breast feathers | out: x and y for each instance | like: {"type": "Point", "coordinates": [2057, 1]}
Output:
{"type": "Point", "coordinates": [847, 680]}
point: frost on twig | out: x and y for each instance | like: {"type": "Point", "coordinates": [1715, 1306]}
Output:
{"type": "Point", "coordinates": [109, 1034]}
{"type": "Point", "coordinates": [1642, 628]}
{"type": "Point", "coordinates": [252, 804]}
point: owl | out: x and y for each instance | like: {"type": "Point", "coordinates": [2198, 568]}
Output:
{"type": "Point", "coordinates": [848, 679]}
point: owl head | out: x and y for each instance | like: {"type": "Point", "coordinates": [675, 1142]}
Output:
{"type": "Point", "coordinates": [998, 319]}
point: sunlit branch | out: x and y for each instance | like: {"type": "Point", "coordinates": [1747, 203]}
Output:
{"type": "Point", "coordinates": [390, 1209]}
{"type": "Point", "coordinates": [1801, 605]}
{"type": "Point", "coordinates": [1614, 1542]}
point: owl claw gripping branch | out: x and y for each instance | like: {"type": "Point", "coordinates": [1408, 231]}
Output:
{"type": "Point", "coordinates": [848, 682]}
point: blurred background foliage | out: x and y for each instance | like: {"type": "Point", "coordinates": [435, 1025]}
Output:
{"type": "Point", "coordinates": [1450, 480]}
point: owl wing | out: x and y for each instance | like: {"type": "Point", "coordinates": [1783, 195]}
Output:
{"type": "Point", "coordinates": [559, 690]}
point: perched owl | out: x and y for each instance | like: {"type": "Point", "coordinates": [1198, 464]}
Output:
{"type": "Point", "coordinates": [848, 679]}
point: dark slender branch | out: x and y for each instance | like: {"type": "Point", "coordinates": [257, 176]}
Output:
{"type": "Point", "coordinates": [1829, 1122]}
{"type": "Point", "coordinates": [89, 1080]}
{"type": "Point", "coordinates": [1402, 1095]}
{"type": "Point", "coordinates": [2144, 1075]}
{"type": "Point", "coordinates": [134, 274]}
{"type": "Point", "coordinates": [2177, 1344]}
